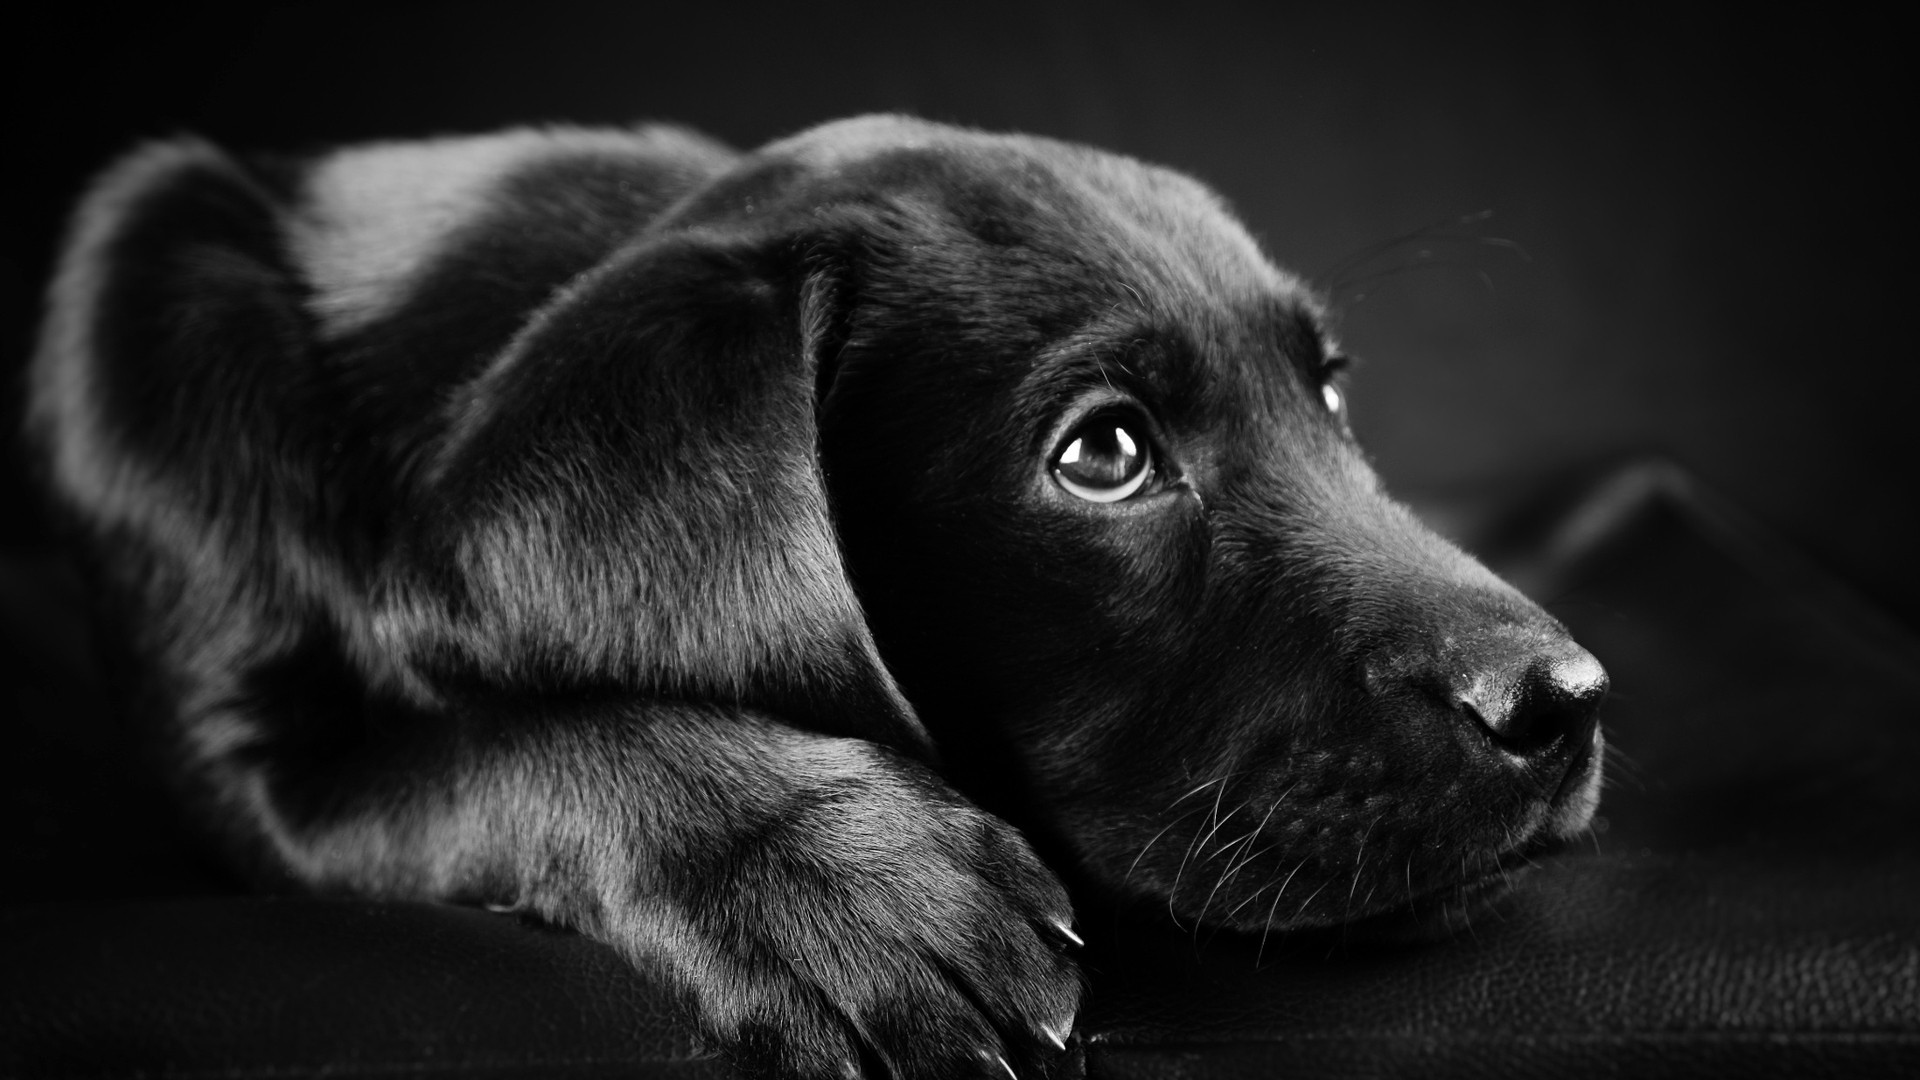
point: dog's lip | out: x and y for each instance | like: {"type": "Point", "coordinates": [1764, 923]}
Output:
{"type": "Point", "coordinates": [1447, 907]}
{"type": "Point", "coordinates": [1576, 798]}
{"type": "Point", "coordinates": [1576, 774]}
{"type": "Point", "coordinates": [1444, 910]}
{"type": "Point", "coordinates": [1505, 868]}
{"type": "Point", "coordinates": [1455, 903]}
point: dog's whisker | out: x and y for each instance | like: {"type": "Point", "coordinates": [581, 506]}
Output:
{"type": "Point", "coordinates": [1244, 861]}
{"type": "Point", "coordinates": [1223, 848]}
{"type": "Point", "coordinates": [1267, 927]}
{"type": "Point", "coordinates": [1196, 841]}
{"type": "Point", "coordinates": [1244, 843]}
{"type": "Point", "coordinates": [1360, 859]}
{"type": "Point", "coordinates": [1334, 275]}
{"type": "Point", "coordinates": [1502, 242]}
{"type": "Point", "coordinates": [1174, 890]}
{"type": "Point", "coordinates": [1128, 877]}
{"type": "Point", "coordinates": [1621, 769]}
{"type": "Point", "coordinates": [1426, 262]}
{"type": "Point", "coordinates": [1342, 276]}
{"type": "Point", "coordinates": [1255, 894]}
{"type": "Point", "coordinates": [1197, 789]}
{"type": "Point", "coordinates": [1271, 807]}
{"type": "Point", "coordinates": [1308, 902]}
{"type": "Point", "coordinates": [1225, 875]}
{"type": "Point", "coordinates": [1186, 858]}
{"type": "Point", "coordinates": [1506, 876]}
{"type": "Point", "coordinates": [1211, 833]}
{"type": "Point", "coordinates": [1268, 816]}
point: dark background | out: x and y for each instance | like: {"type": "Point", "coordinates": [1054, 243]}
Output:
{"type": "Point", "coordinates": [1705, 242]}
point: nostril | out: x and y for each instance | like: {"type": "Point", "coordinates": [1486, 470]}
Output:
{"type": "Point", "coordinates": [1475, 712]}
{"type": "Point", "coordinates": [1539, 705]}
{"type": "Point", "coordinates": [1495, 704]}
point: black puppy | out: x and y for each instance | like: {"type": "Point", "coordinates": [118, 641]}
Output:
{"type": "Point", "coordinates": [612, 526]}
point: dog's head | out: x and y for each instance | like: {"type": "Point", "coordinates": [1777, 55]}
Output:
{"type": "Point", "coordinates": [1091, 468]}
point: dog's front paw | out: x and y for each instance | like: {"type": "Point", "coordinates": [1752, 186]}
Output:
{"type": "Point", "coordinates": [874, 923]}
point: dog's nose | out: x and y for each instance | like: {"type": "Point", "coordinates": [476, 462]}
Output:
{"type": "Point", "coordinates": [1535, 701]}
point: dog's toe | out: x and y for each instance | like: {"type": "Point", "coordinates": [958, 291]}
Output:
{"type": "Point", "coordinates": [881, 919]}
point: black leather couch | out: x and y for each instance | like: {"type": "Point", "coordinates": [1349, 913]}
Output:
{"type": "Point", "coordinates": [1750, 907]}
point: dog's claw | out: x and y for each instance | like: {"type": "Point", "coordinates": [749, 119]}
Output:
{"type": "Point", "coordinates": [1004, 1065]}
{"type": "Point", "coordinates": [1066, 931]}
{"type": "Point", "coordinates": [1058, 1038]}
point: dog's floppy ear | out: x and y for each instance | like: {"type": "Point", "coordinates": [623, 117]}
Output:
{"type": "Point", "coordinates": [631, 497]}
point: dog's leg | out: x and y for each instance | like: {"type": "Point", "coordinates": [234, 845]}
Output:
{"type": "Point", "coordinates": [817, 898]}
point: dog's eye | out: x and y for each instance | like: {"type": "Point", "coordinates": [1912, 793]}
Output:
{"type": "Point", "coordinates": [1105, 460]}
{"type": "Point", "coordinates": [1330, 369]}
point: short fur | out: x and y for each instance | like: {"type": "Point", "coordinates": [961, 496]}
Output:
{"type": "Point", "coordinates": [668, 542]}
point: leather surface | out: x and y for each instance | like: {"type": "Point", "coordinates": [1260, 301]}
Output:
{"type": "Point", "coordinates": [266, 987]}
{"type": "Point", "coordinates": [1750, 904]}
{"type": "Point", "coordinates": [1636, 965]}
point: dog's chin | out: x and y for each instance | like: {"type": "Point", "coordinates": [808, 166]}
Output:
{"type": "Point", "coordinates": [1444, 913]}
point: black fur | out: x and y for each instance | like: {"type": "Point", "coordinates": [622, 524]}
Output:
{"type": "Point", "coordinates": [662, 540]}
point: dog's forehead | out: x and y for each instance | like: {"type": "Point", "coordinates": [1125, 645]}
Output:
{"type": "Point", "coordinates": [1098, 265]}
{"type": "Point", "coordinates": [1114, 214]}
{"type": "Point", "coordinates": [1107, 228]}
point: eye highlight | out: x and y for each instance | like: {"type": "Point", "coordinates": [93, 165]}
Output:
{"type": "Point", "coordinates": [1330, 369]}
{"type": "Point", "coordinates": [1105, 460]}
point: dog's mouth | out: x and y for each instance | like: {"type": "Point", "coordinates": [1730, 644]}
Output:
{"type": "Point", "coordinates": [1387, 884]}
{"type": "Point", "coordinates": [1445, 911]}
{"type": "Point", "coordinates": [1441, 912]}
{"type": "Point", "coordinates": [1448, 908]}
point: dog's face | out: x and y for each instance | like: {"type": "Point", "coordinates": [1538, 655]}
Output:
{"type": "Point", "coordinates": [1092, 467]}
